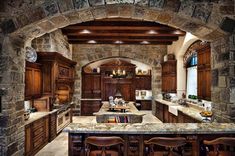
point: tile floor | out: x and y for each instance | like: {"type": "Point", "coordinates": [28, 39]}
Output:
{"type": "Point", "coordinates": [59, 146]}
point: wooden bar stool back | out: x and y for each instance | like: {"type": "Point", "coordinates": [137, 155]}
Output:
{"type": "Point", "coordinates": [223, 146]}
{"type": "Point", "coordinates": [104, 146]}
{"type": "Point", "coordinates": [171, 145]}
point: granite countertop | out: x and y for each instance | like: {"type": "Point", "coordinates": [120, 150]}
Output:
{"type": "Point", "coordinates": [38, 115]}
{"type": "Point", "coordinates": [192, 111]}
{"type": "Point", "coordinates": [151, 128]}
{"type": "Point", "coordinates": [131, 111]}
{"type": "Point", "coordinates": [90, 99]}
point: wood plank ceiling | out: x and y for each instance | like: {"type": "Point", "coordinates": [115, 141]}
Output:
{"type": "Point", "coordinates": [121, 31]}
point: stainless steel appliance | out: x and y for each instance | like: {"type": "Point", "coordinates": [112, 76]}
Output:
{"type": "Point", "coordinates": [63, 118]}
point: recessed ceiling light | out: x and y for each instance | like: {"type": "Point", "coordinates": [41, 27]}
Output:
{"type": "Point", "coordinates": [91, 41]}
{"type": "Point", "coordinates": [118, 42]}
{"type": "Point", "coordinates": [85, 31]}
{"type": "Point", "coordinates": [152, 32]}
{"type": "Point", "coordinates": [144, 42]}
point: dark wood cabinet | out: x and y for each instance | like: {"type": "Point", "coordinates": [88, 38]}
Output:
{"type": "Point", "coordinates": [36, 135]}
{"type": "Point", "coordinates": [88, 107]}
{"type": "Point", "coordinates": [33, 81]}
{"type": "Point", "coordinates": [159, 111]}
{"type": "Point", "coordinates": [165, 114]}
{"type": "Point", "coordinates": [52, 126]}
{"type": "Point", "coordinates": [143, 82]}
{"type": "Point", "coordinates": [145, 104]}
{"type": "Point", "coordinates": [204, 72]}
{"type": "Point", "coordinates": [169, 76]}
{"type": "Point", "coordinates": [58, 76]}
{"type": "Point", "coordinates": [91, 85]}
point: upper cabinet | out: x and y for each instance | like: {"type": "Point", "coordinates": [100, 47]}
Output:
{"type": "Point", "coordinates": [91, 85]}
{"type": "Point", "coordinates": [58, 76]}
{"type": "Point", "coordinates": [169, 76]}
{"type": "Point", "coordinates": [33, 81]}
{"type": "Point", "coordinates": [204, 72]}
{"type": "Point", "coordinates": [143, 82]}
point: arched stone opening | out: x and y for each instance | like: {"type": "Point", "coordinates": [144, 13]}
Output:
{"type": "Point", "coordinates": [33, 19]}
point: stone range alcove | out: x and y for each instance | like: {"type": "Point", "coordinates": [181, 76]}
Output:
{"type": "Point", "coordinates": [24, 20]}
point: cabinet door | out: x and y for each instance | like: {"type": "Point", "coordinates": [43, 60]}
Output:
{"type": "Point", "coordinates": [126, 91]}
{"type": "Point", "coordinates": [96, 86]}
{"type": "Point", "coordinates": [37, 75]}
{"type": "Point", "coordinates": [87, 86]}
{"type": "Point", "coordinates": [89, 107]}
{"type": "Point", "coordinates": [146, 105]}
{"type": "Point", "coordinates": [166, 114]}
{"type": "Point", "coordinates": [28, 140]}
{"type": "Point", "coordinates": [28, 83]}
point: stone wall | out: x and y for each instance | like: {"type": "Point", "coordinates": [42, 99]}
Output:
{"type": "Point", "coordinates": [12, 97]}
{"type": "Point", "coordinates": [53, 42]}
{"type": "Point", "coordinates": [223, 78]}
{"type": "Point", "coordinates": [148, 54]}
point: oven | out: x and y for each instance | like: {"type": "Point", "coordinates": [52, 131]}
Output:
{"type": "Point", "coordinates": [63, 119]}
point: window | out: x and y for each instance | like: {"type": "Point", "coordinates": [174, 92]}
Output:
{"type": "Point", "coordinates": [192, 77]}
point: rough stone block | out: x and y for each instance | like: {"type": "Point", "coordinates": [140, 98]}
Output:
{"type": "Point", "coordinates": [222, 81]}
{"type": "Point", "coordinates": [178, 21]}
{"type": "Point", "coordinates": [19, 105]}
{"type": "Point", "coordinates": [142, 2]}
{"type": "Point", "coordinates": [99, 12]}
{"type": "Point", "coordinates": [172, 5]}
{"type": "Point", "coordinates": [156, 3]}
{"type": "Point", "coordinates": [232, 95]}
{"type": "Point", "coordinates": [73, 17]}
{"type": "Point", "coordinates": [224, 71]}
{"type": "Point", "coordinates": [164, 18]}
{"type": "Point", "coordinates": [202, 12]}
{"type": "Point", "coordinates": [50, 8]}
{"type": "Point", "coordinates": [12, 148]}
{"type": "Point", "coordinates": [224, 57]}
{"type": "Point", "coordinates": [79, 4]}
{"type": "Point", "coordinates": [4, 121]}
{"type": "Point", "coordinates": [139, 13]}
{"type": "Point", "coordinates": [65, 5]}
{"type": "Point", "coordinates": [187, 8]}
{"type": "Point", "coordinates": [225, 95]}
{"type": "Point", "coordinates": [59, 21]}
{"type": "Point", "coordinates": [119, 1]}
{"type": "Point", "coordinates": [126, 11]}
{"type": "Point", "coordinates": [232, 82]}
{"type": "Point", "coordinates": [86, 15]}
{"type": "Point", "coordinates": [46, 26]}
{"type": "Point", "coordinates": [8, 26]}
{"type": "Point", "coordinates": [96, 2]}
{"type": "Point", "coordinates": [227, 10]}
{"type": "Point", "coordinates": [151, 15]}
{"type": "Point", "coordinates": [112, 11]}
{"type": "Point", "coordinates": [191, 27]}
{"type": "Point", "coordinates": [227, 24]}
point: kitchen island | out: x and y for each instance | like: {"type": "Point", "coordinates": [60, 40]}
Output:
{"type": "Point", "coordinates": [127, 113]}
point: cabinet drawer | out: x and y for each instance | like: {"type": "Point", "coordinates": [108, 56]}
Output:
{"type": "Point", "coordinates": [37, 124]}
{"type": "Point", "coordinates": [38, 131]}
{"type": "Point", "coordinates": [37, 142]}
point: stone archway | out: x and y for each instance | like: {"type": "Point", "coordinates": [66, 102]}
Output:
{"type": "Point", "coordinates": [30, 19]}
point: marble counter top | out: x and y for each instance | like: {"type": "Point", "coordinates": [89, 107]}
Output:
{"type": "Point", "coordinates": [88, 99]}
{"type": "Point", "coordinates": [191, 111]}
{"type": "Point", "coordinates": [152, 128]}
{"type": "Point", "coordinates": [38, 115]}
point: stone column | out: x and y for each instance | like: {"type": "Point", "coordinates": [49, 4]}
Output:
{"type": "Point", "coordinates": [223, 78]}
{"type": "Point", "coordinates": [12, 62]}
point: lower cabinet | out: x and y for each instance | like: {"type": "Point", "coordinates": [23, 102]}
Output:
{"type": "Point", "coordinates": [36, 135]}
{"type": "Point", "coordinates": [52, 128]}
{"type": "Point", "coordinates": [165, 116]}
{"type": "Point", "coordinates": [145, 104]}
{"type": "Point", "coordinates": [88, 107]}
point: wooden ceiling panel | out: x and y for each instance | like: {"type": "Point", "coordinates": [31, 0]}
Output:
{"type": "Point", "coordinates": [121, 31]}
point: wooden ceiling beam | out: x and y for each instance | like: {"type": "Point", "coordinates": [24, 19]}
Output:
{"type": "Point", "coordinates": [173, 38]}
{"type": "Point", "coordinates": [121, 39]}
{"type": "Point", "coordinates": [129, 42]}
{"type": "Point", "coordinates": [118, 34]}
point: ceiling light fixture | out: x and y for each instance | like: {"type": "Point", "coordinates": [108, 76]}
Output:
{"type": "Point", "coordinates": [152, 32]}
{"type": "Point", "coordinates": [85, 31]}
{"type": "Point", "coordinates": [91, 41]}
{"type": "Point", "coordinates": [144, 42]}
{"type": "Point", "coordinates": [118, 42]}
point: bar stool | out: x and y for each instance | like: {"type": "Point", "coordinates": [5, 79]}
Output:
{"type": "Point", "coordinates": [223, 146]}
{"type": "Point", "coordinates": [104, 146]}
{"type": "Point", "coordinates": [172, 146]}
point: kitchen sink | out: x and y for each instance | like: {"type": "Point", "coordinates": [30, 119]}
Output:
{"type": "Point", "coordinates": [173, 110]}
